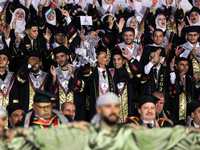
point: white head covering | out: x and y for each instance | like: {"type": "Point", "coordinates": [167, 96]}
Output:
{"type": "Point", "coordinates": [159, 27]}
{"type": "Point", "coordinates": [52, 22]}
{"type": "Point", "coordinates": [23, 2]}
{"type": "Point", "coordinates": [198, 23]}
{"type": "Point", "coordinates": [3, 112]}
{"type": "Point", "coordinates": [138, 5]}
{"type": "Point", "coordinates": [128, 25]}
{"type": "Point", "coordinates": [20, 24]}
{"type": "Point", "coordinates": [83, 3]}
{"type": "Point", "coordinates": [105, 6]}
{"type": "Point", "coordinates": [163, 2]}
{"type": "Point", "coordinates": [107, 98]}
{"type": "Point", "coordinates": [35, 4]}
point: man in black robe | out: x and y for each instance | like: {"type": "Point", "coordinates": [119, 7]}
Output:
{"type": "Point", "coordinates": [31, 77]}
{"type": "Point", "coordinates": [67, 82]}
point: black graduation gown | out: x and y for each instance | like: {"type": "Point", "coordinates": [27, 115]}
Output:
{"type": "Point", "coordinates": [191, 93]}
{"type": "Point", "coordinates": [91, 76]}
{"type": "Point", "coordinates": [11, 90]}
{"type": "Point", "coordinates": [75, 86]}
{"type": "Point", "coordinates": [149, 86]}
{"type": "Point", "coordinates": [20, 54]}
{"type": "Point", "coordinates": [25, 83]}
{"type": "Point", "coordinates": [125, 75]}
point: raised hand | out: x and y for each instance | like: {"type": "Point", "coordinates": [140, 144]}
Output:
{"type": "Point", "coordinates": [178, 51]}
{"type": "Point", "coordinates": [140, 34]}
{"type": "Point", "coordinates": [53, 71]}
{"type": "Point", "coordinates": [140, 50]}
{"type": "Point", "coordinates": [167, 4]}
{"type": "Point", "coordinates": [172, 64]}
{"type": "Point", "coordinates": [18, 38]}
{"type": "Point", "coordinates": [197, 78]}
{"type": "Point", "coordinates": [179, 3]}
{"type": "Point", "coordinates": [155, 56]}
{"type": "Point", "coordinates": [65, 42]}
{"type": "Point", "coordinates": [152, 6]}
{"type": "Point", "coordinates": [110, 21]}
{"type": "Point", "coordinates": [70, 70]}
{"type": "Point", "coordinates": [94, 3]}
{"type": "Point", "coordinates": [80, 1]}
{"type": "Point", "coordinates": [194, 51]}
{"type": "Point", "coordinates": [64, 12]}
{"type": "Point", "coordinates": [47, 35]}
{"type": "Point", "coordinates": [81, 32]}
{"type": "Point", "coordinates": [189, 21]}
{"type": "Point", "coordinates": [7, 32]}
{"type": "Point", "coordinates": [126, 54]}
{"type": "Point", "coordinates": [120, 25]}
{"type": "Point", "coordinates": [63, 3]}
{"type": "Point", "coordinates": [168, 47]}
{"type": "Point", "coordinates": [14, 23]}
{"type": "Point", "coordinates": [151, 27]}
{"type": "Point", "coordinates": [181, 76]}
{"type": "Point", "coordinates": [131, 4]}
{"type": "Point", "coordinates": [118, 8]}
{"type": "Point", "coordinates": [108, 10]}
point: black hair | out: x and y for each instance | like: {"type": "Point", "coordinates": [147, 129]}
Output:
{"type": "Point", "coordinates": [30, 24]}
{"type": "Point", "coordinates": [182, 59]}
{"type": "Point", "coordinates": [128, 29]}
{"type": "Point", "coordinates": [158, 30]}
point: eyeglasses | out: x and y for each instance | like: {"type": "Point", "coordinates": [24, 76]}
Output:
{"type": "Point", "coordinates": [192, 34]}
{"type": "Point", "coordinates": [44, 107]}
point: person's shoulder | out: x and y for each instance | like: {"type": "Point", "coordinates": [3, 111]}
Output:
{"type": "Point", "coordinates": [133, 119]}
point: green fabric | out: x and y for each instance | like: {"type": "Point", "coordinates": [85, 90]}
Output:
{"type": "Point", "coordinates": [124, 138]}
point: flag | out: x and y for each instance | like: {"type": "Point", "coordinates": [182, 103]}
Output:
{"type": "Point", "coordinates": [53, 7]}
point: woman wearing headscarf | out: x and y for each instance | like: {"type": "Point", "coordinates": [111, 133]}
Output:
{"type": "Point", "coordinates": [133, 23]}
{"type": "Point", "coordinates": [174, 15]}
{"type": "Point", "coordinates": [193, 19]}
{"type": "Point", "coordinates": [17, 24]}
{"type": "Point", "coordinates": [195, 3]}
{"type": "Point", "coordinates": [171, 39]}
{"type": "Point", "coordinates": [140, 12]}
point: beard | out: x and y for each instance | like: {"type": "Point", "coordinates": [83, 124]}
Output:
{"type": "Point", "coordinates": [130, 43]}
{"type": "Point", "coordinates": [110, 122]}
{"type": "Point", "coordinates": [35, 70]}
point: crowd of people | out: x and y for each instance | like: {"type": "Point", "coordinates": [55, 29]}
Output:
{"type": "Point", "coordinates": [55, 61]}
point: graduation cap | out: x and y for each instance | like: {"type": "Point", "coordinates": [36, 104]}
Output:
{"type": "Point", "coordinates": [34, 54]}
{"type": "Point", "coordinates": [61, 49]}
{"type": "Point", "coordinates": [43, 96]}
{"type": "Point", "coordinates": [146, 99]}
{"type": "Point", "coordinates": [59, 29]}
{"type": "Point", "coordinates": [191, 107]}
{"type": "Point", "coordinates": [6, 52]}
{"type": "Point", "coordinates": [193, 29]}
{"type": "Point", "coordinates": [12, 107]}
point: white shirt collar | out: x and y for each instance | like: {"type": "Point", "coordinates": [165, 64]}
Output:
{"type": "Point", "coordinates": [39, 73]}
{"type": "Point", "coordinates": [100, 69]}
{"type": "Point", "coordinates": [152, 122]}
{"type": "Point", "coordinates": [195, 125]}
{"type": "Point", "coordinates": [158, 68]}
{"type": "Point", "coordinates": [197, 45]}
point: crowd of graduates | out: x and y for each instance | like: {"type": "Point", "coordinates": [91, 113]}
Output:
{"type": "Point", "coordinates": [79, 51]}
